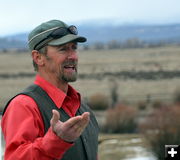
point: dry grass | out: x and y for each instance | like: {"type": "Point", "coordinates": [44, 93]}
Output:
{"type": "Point", "coordinates": [15, 63]}
{"type": "Point", "coordinates": [97, 62]}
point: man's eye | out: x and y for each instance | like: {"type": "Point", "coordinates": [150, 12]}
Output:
{"type": "Point", "coordinates": [74, 47]}
{"type": "Point", "coordinates": [62, 49]}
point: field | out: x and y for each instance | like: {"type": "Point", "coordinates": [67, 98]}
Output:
{"type": "Point", "coordinates": [138, 74]}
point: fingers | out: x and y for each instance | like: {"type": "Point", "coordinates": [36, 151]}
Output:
{"type": "Point", "coordinates": [81, 120]}
{"type": "Point", "coordinates": [78, 121]}
{"type": "Point", "coordinates": [85, 119]}
{"type": "Point", "coordinates": [72, 121]}
{"type": "Point", "coordinates": [71, 129]}
{"type": "Point", "coordinates": [86, 115]}
{"type": "Point", "coordinates": [81, 125]}
{"type": "Point", "coordinates": [55, 117]}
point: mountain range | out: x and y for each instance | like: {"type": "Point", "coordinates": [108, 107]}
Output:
{"type": "Point", "coordinates": [104, 33]}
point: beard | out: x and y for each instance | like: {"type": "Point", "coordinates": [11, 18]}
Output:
{"type": "Point", "coordinates": [69, 76]}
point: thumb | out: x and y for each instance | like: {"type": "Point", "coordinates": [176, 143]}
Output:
{"type": "Point", "coordinates": [55, 118]}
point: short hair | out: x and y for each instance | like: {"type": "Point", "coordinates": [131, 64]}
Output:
{"type": "Point", "coordinates": [41, 51]}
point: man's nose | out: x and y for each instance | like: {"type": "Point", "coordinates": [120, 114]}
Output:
{"type": "Point", "coordinates": [72, 55]}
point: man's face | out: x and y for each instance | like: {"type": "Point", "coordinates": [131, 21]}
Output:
{"type": "Point", "coordinates": [61, 62]}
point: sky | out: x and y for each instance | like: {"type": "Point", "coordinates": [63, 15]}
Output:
{"type": "Point", "coordinates": [18, 16]}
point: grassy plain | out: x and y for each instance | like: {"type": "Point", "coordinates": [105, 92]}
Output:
{"type": "Point", "coordinates": [93, 62]}
{"type": "Point", "coordinates": [15, 69]}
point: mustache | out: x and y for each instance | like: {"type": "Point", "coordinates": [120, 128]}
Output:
{"type": "Point", "coordinates": [70, 62]}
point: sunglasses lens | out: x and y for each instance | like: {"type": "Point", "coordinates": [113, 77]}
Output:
{"type": "Point", "coordinates": [58, 33]}
{"type": "Point", "coordinates": [63, 31]}
{"type": "Point", "coordinates": [73, 30]}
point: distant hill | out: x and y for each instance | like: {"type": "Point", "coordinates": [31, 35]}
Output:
{"type": "Point", "coordinates": [108, 32]}
{"type": "Point", "coordinates": [150, 33]}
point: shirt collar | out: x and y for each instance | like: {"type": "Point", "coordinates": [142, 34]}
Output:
{"type": "Point", "coordinates": [57, 95]}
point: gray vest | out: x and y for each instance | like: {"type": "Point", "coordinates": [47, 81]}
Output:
{"type": "Point", "coordinates": [86, 146]}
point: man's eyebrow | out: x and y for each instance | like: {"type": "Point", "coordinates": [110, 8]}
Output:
{"type": "Point", "coordinates": [60, 46]}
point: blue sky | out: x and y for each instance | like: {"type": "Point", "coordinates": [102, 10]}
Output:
{"type": "Point", "coordinates": [21, 15]}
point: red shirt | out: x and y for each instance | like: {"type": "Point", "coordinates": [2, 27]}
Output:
{"type": "Point", "coordinates": [23, 126]}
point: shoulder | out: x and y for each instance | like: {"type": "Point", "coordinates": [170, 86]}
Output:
{"type": "Point", "coordinates": [21, 99]}
{"type": "Point", "coordinates": [23, 113]}
{"type": "Point", "coordinates": [21, 104]}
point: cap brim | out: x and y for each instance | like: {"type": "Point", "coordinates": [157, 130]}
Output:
{"type": "Point", "coordinates": [66, 39]}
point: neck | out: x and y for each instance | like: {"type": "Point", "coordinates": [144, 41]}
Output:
{"type": "Point", "coordinates": [62, 85]}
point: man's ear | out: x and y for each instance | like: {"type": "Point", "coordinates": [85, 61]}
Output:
{"type": "Point", "coordinates": [37, 57]}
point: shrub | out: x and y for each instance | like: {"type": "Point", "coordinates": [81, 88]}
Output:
{"type": "Point", "coordinates": [162, 128]}
{"type": "Point", "coordinates": [142, 105]}
{"type": "Point", "coordinates": [157, 104]}
{"type": "Point", "coordinates": [120, 119]}
{"type": "Point", "coordinates": [98, 102]}
{"type": "Point", "coordinates": [177, 96]}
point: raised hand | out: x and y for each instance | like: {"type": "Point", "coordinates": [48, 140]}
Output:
{"type": "Point", "coordinates": [70, 130]}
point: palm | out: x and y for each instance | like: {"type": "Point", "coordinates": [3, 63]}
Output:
{"type": "Point", "coordinates": [71, 129]}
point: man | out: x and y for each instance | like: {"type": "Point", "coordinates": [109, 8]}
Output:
{"type": "Point", "coordinates": [48, 121]}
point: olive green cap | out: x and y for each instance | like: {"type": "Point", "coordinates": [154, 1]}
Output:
{"type": "Point", "coordinates": [43, 30]}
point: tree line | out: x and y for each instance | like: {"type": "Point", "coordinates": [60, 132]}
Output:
{"type": "Point", "coordinates": [129, 43]}
{"type": "Point", "coordinates": [98, 45]}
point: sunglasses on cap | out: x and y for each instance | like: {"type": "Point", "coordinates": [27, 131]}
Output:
{"type": "Point", "coordinates": [58, 33]}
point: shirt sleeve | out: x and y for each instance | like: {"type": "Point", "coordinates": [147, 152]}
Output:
{"type": "Point", "coordinates": [23, 131]}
